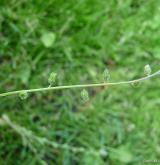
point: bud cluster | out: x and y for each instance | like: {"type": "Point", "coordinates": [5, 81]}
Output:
{"type": "Point", "coordinates": [52, 78]}
{"type": "Point", "coordinates": [84, 95]}
{"type": "Point", "coordinates": [106, 75]}
{"type": "Point", "coordinates": [147, 70]}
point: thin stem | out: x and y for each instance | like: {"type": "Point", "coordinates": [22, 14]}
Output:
{"type": "Point", "coordinates": [81, 85]}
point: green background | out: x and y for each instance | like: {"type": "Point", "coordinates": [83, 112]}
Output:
{"type": "Point", "coordinates": [78, 39]}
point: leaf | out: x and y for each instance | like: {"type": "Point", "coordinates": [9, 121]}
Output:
{"type": "Point", "coordinates": [89, 159]}
{"type": "Point", "coordinates": [24, 73]}
{"type": "Point", "coordinates": [122, 154]}
{"type": "Point", "coordinates": [48, 39]}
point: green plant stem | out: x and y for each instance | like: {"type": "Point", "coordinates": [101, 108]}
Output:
{"type": "Point", "coordinates": [81, 85]}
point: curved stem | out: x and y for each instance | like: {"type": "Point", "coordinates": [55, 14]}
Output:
{"type": "Point", "coordinates": [81, 85]}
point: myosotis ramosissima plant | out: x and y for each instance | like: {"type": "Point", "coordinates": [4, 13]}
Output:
{"type": "Point", "coordinates": [52, 78]}
{"type": "Point", "coordinates": [28, 137]}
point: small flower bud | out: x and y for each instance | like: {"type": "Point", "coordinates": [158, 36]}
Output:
{"type": "Point", "coordinates": [84, 95]}
{"type": "Point", "coordinates": [23, 95]}
{"type": "Point", "coordinates": [106, 75]}
{"type": "Point", "coordinates": [147, 70]}
{"type": "Point", "coordinates": [52, 78]}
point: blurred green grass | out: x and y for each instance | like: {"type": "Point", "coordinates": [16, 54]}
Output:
{"type": "Point", "coordinates": [89, 35]}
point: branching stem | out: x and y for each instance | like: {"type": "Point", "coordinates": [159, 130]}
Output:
{"type": "Point", "coordinates": [81, 85]}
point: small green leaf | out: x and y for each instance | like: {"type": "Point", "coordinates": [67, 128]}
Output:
{"type": "Point", "coordinates": [48, 39]}
{"type": "Point", "coordinates": [122, 154]}
{"type": "Point", "coordinates": [89, 159]}
{"type": "Point", "coordinates": [24, 73]}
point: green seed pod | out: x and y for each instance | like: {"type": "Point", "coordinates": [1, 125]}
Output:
{"type": "Point", "coordinates": [106, 75]}
{"type": "Point", "coordinates": [23, 95]}
{"type": "Point", "coordinates": [136, 84]}
{"type": "Point", "coordinates": [84, 95]}
{"type": "Point", "coordinates": [147, 70]}
{"type": "Point", "coordinates": [52, 78]}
